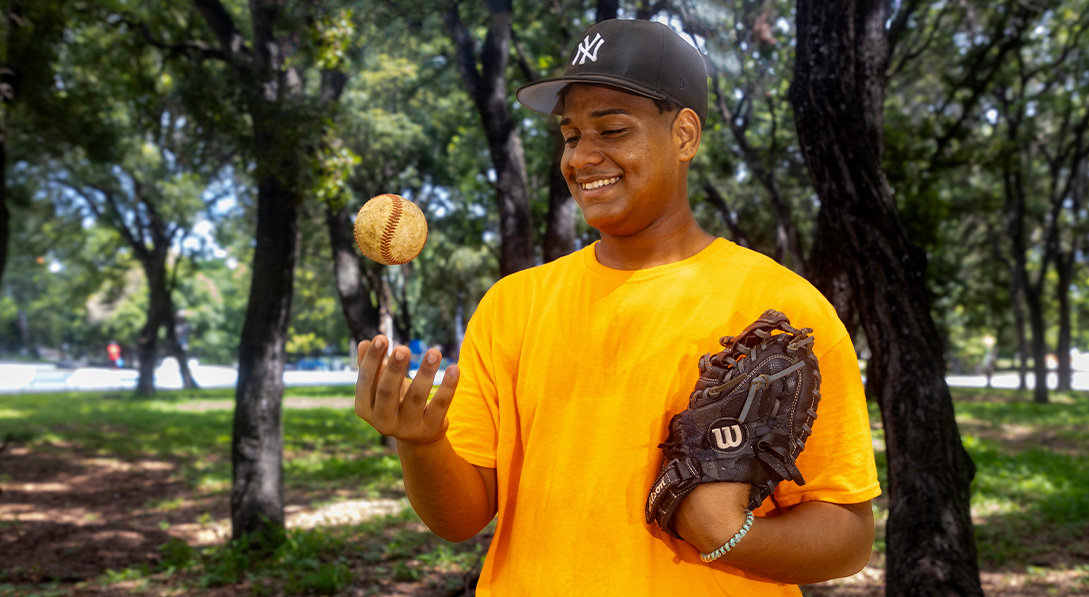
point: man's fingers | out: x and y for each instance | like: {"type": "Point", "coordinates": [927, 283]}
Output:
{"type": "Point", "coordinates": [370, 365]}
{"type": "Point", "coordinates": [422, 383]}
{"type": "Point", "coordinates": [391, 384]}
{"type": "Point", "coordinates": [435, 414]}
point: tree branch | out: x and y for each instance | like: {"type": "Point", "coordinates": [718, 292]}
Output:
{"type": "Point", "coordinates": [464, 46]}
{"type": "Point", "coordinates": [191, 48]}
{"type": "Point", "coordinates": [219, 21]}
{"type": "Point", "coordinates": [521, 60]}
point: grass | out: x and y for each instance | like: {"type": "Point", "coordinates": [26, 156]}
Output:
{"type": "Point", "coordinates": [321, 445]}
{"type": "Point", "coordinates": [1030, 495]}
{"type": "Point", "coordinates": [1031, 490]}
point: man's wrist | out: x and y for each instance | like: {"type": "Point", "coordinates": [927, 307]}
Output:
{"type": "Point", "coordinates": [424, 450]}
{"type": "Point", "coordinates": [712, 514]}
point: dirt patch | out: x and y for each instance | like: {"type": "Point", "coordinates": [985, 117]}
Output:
{"type": "Point", "coordinates": [73, 517]}
{"type": "Point", "coordinates": [69, 517]}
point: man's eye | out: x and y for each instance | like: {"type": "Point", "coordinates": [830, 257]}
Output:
{"type": "Point", "coordinates": [613, 131]}
{"type": "Point", "coordinates": [571, 140]}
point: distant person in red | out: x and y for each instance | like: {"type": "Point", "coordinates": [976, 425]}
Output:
{"type": "Point", "coordinates": [113, 350]}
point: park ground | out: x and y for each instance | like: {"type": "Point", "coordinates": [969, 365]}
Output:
{"type": "Point", "coordinates": [102, 494]}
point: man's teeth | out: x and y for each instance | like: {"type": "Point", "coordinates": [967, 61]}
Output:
{"type": "Point", "coordinates": [597, 184]}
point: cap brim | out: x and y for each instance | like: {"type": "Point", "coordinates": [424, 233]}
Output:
{"type": "Point", "coordinates": [544, 96]}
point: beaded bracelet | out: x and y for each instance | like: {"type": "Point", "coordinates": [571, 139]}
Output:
{"type": "Point", "coordinates": [718, 553]}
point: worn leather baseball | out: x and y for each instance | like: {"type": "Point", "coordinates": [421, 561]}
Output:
{"type": "Point", "coordinates": [390, 229]}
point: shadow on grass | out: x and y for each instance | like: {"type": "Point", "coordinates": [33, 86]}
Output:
{"type": "Point", "coordinates": [322, 446]}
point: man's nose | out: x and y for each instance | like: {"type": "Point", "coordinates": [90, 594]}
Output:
{"type": "Point", "coordinates": [584, 153]}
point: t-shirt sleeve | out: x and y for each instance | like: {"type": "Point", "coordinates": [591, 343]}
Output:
{"type": "Point", "coordinates": [474, 412]}
{"type": "Point", "coordinates": [838, 461]}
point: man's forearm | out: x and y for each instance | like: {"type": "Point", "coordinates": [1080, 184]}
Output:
{"type": "Point", "coordinates": [814, 542]}
{"type": "Point", "coordinates": [451, 496]}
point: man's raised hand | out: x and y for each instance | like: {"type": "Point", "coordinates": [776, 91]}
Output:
{"type": "Point", "coordinates": [396, 408]}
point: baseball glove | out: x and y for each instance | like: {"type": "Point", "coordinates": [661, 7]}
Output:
{"type": "Point", "coordinates": [747, 420]}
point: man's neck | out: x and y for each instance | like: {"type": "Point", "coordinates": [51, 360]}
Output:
{"type": "Point", "coordinates": [647, 251]}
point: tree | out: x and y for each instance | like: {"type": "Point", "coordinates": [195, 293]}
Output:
{"type": "Point", "coordinates": [1045, 159]}
{"type": "Point", "coordinates": [838, 97]}
{"type": "Point", "coordinates": [487, 85]}
{"type": "Point", "coordinates": [748, 97]}
{"type": "Point", "coordinates": [264, 78]}
{"type": "Point", "coordinates": [151, 198]}
{"type": "Point", "coordinates": [36, 119]}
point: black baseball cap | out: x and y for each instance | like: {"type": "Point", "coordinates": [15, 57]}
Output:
{"type": "Point", "coordinates": [642, 57]}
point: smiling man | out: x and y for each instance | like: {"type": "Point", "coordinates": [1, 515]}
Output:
{"type": "Point", "coordinates": [571, 371]}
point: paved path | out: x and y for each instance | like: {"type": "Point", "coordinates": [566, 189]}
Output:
{"type": "Point", "coordinates": [44, 377]}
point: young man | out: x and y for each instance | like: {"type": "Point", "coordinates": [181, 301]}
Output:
{"type": "Point", "coordinates": [570, 371]}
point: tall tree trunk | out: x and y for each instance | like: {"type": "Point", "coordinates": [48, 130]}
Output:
{"type": "Point", "coordinates": [1064, 265]}
{"type": "Point", "coordinates": [275, 92]}
{"type": "Point", "coordinates": [257, 492]}
{"type": "Point", "coordinates": [9, 88]}
{"type": "Point", "coordinates": [838, 97]}
{"type": "Point", "coordinates": [5, 215]}
{"type": "Point", "coordinates": [1017, 294]}
{"type": "Point", "coordinates": [606, 9]}
{"type": "Point", "coordinates": [1034, 299]}
{"type": "Point", "coordinates": [355, 299]}
{"type": "Point", "coordinates": [488, 88]}
{"type": "Point", "coordinates": [176, 347]}
{"type": "Point", "coordinates": [1030, 293]}
{"type": "Point", "coordinates": [559, 237]}
{"type": "Point", "coordinates": [147, 343]}
{"type": "Point", "coordinates": [828, 276]}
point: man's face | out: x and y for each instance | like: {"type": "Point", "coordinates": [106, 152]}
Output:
{"type": "Point", "coordinates": [621, 159]}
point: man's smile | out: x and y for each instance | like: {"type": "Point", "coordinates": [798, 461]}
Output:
{"type": "Point", "coordinates": [597, 184]}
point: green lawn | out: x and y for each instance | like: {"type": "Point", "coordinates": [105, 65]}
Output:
{"type": "Point", "coordinates": [1030, 495]}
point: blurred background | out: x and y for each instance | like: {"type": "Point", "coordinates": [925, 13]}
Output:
{"type": "Point", "coordinates": [181, 177]}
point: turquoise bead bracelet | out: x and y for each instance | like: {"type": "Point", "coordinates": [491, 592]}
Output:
{"type": "Point", "coordinates": [718, 553]}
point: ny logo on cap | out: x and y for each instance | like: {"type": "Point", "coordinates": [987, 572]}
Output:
{"type": "Point", "coordinates": [588, 49]}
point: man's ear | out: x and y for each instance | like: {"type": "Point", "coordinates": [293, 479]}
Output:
{"type": "Point", "coordinates": [687, 133]}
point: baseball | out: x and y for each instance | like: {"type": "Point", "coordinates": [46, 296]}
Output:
{"type": "Point", "coordinates": [390, 229]}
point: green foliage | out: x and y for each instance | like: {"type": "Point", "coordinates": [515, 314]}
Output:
{"type": "Point", "coordinates": [1031, 491]}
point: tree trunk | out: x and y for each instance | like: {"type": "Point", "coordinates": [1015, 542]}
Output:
{"type": "Point", "coordinates": [1017, 293]}
{"type": "Point", "coordinates": [488, 88]}
{"type": "Point", "coordinates": [5, 215]}
{"type": "Point", "coordinates": [257, 492]}
{"type": "Point", "coordinates": [176, 347]}
{"type": "Point", "coordinates": [714, 198]}
{"type": "Point", "coordinates": [402, 318]}
{"type": "Point", "coordinates": [9, 89]}
{"type": "Point", "coordinates": [838, 96]}
{"type": "Point", "coordinates": [1065, 266]}
{"type": "Point", "coordinates": [355, 299]}
{"type": "Point", "coordinates": [559, 237]}
{"type": "Point", "coordinates": [827, 275]}
{"type": "Point", "coordinates": [1030, 293]}
{"type": "Point", "coordinates": [1039, 344]}
{"type": "Point", "coordinates": [606, 9]}
{"type": "Point", "coordinates": [158, 305]}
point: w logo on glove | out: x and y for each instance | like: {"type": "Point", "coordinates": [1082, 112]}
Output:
{"type": "Point", "coordinates": [726, 435]}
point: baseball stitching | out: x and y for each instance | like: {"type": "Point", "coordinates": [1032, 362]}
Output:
{"type": "Point", "coordinates": [386, 245]}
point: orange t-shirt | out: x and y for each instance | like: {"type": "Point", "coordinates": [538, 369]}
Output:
{"type": "Point", "coordinates": [570, 374]}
